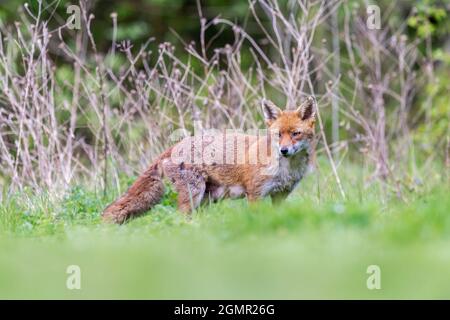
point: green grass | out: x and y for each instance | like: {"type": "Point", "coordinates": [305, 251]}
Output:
{"type": "Point", "coordinates": [312, 246]}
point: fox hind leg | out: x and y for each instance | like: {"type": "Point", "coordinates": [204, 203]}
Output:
{"type": "Point", "coordinates": [188, 182]}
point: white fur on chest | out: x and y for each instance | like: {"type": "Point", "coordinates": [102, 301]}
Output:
{"type": "Point", "coordinates": [286, 174]}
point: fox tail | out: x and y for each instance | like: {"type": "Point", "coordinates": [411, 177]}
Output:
{"type": "Point", "coordinates": [143, 194]}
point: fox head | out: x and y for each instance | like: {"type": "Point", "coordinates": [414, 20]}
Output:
{"type": "Point", "coordinates": [295, 128]}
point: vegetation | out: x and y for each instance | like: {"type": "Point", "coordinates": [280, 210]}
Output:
{"type": "Point", "coordinates": [83, 112]}
{"type": "Point", "coordinates": [312, 246]}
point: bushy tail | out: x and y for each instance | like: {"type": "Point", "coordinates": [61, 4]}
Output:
{"type": "Point", "coordinates": [145, 192]}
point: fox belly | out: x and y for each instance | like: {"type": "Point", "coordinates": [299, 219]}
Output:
{"type": "Point", "coordinates": [217, 192]}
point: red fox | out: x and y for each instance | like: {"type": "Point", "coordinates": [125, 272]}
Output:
{"type": "Point", "coordinates": [227, 165]}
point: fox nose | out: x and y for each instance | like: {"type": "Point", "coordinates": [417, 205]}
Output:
{"type": "Point", "coordinates": [284, 151]}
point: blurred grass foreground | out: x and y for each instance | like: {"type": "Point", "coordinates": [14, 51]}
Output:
{"type": "Point", "coordinates": [309, 247]}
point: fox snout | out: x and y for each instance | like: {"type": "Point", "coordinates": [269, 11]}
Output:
{"type": "Point", "coordinates": [289, 150]}
{"type": "Point", "coordinates": [284, 151]}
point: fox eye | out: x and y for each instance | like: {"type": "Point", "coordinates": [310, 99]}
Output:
{"type": "Point", "coordinates": [296, 133]}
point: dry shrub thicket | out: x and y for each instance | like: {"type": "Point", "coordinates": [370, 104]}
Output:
{"type": "Point", "coordinates": [58, 128]}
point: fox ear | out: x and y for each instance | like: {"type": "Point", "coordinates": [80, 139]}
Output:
{"type": "Point", "coordinates": [307, 109]}
{"type": "Point", "coordinates": [270, 110]}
